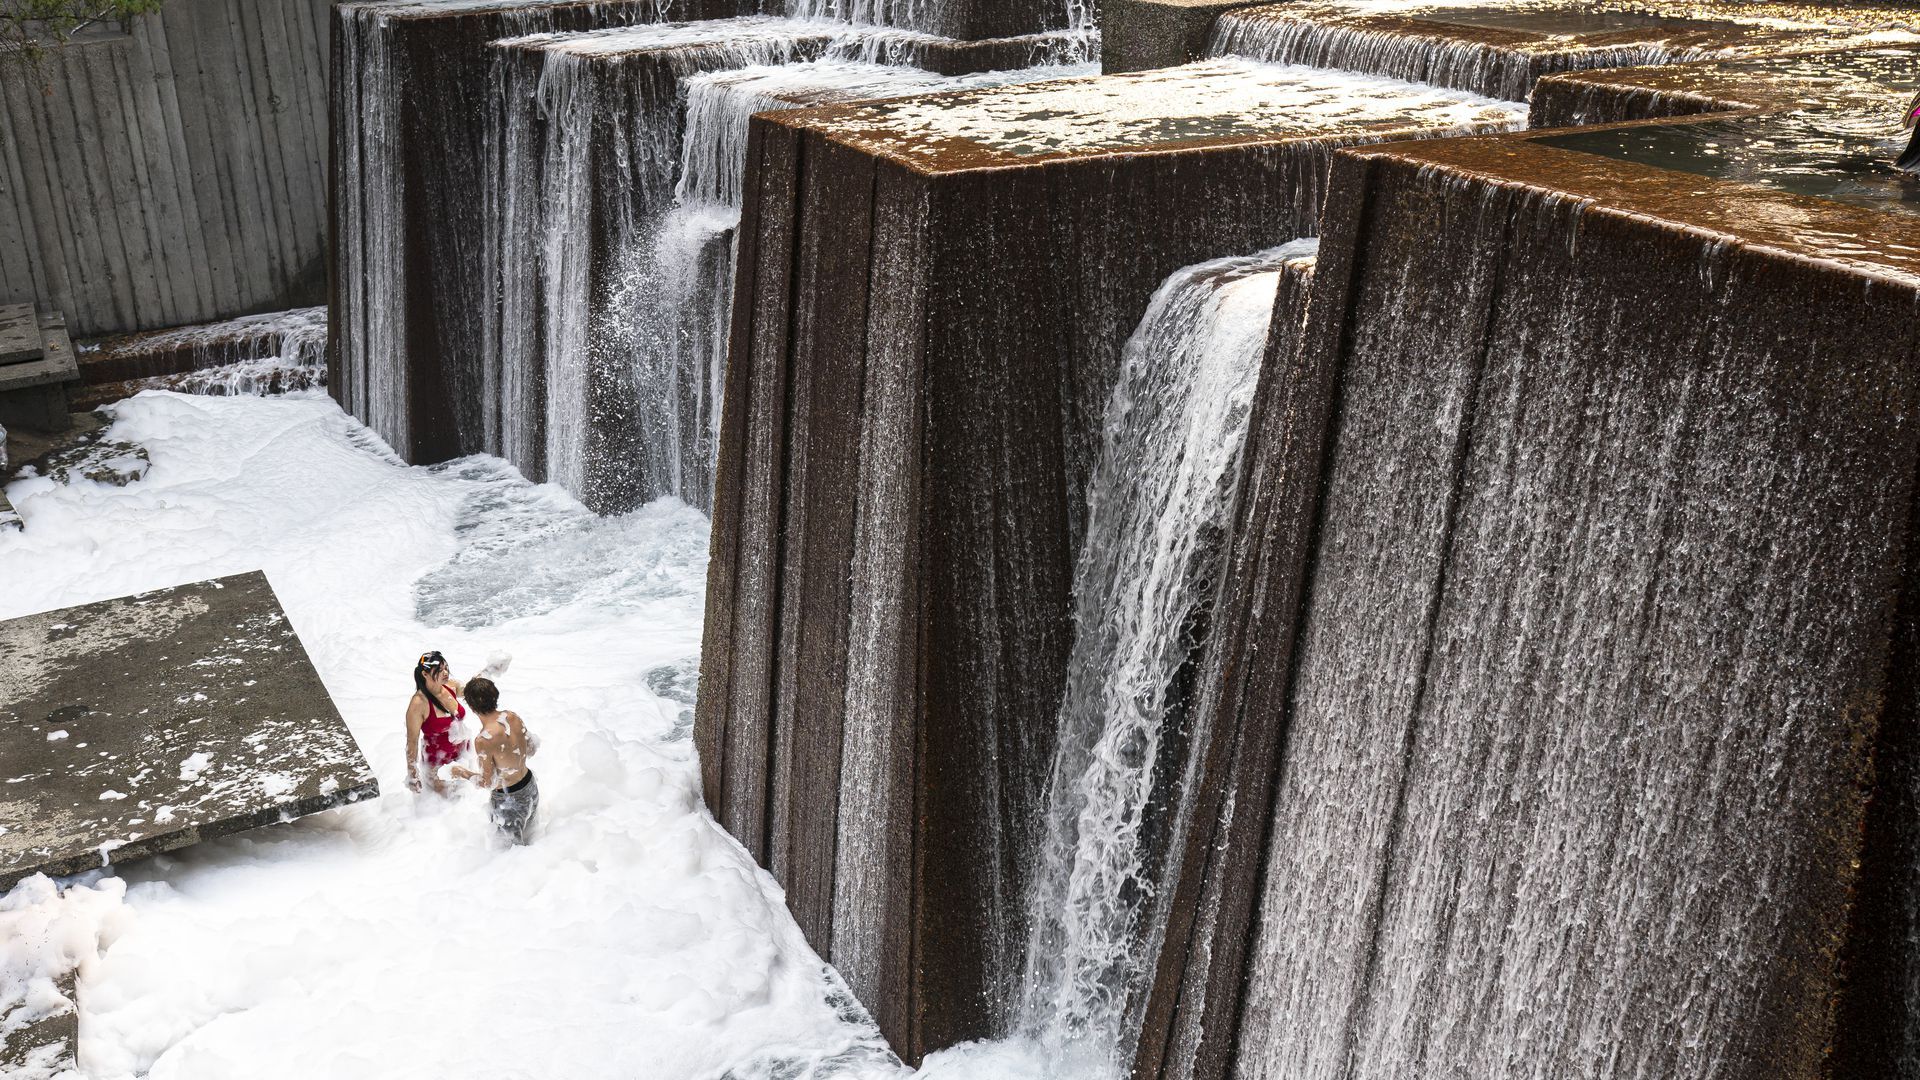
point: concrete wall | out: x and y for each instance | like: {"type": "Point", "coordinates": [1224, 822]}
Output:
{"type": "Point", "coordinates": [171, 175]}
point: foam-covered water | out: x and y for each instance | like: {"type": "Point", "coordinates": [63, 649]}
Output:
{"type": "Point", "coordinates": [1221, 98]}
{"type": "Point", "coordinates": [391, 938]}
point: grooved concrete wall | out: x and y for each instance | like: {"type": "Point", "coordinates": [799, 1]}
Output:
{"type": "Point", "coordinates": [174, 174]}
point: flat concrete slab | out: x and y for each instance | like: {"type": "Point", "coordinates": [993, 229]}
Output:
{"type": "Point", "coordinates": [34, 349]}
{"type": "Point", "coordinates": [19, 334]}
{"type": "Point", "coordinates": [148, 723]}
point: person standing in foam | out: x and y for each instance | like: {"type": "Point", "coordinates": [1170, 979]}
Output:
{"type": "Point", "coordinates": [501, 750]}
{"type": "Point", "coordinates": [433, 740]}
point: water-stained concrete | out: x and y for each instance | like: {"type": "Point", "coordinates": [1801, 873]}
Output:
{"type": "Point", "coordinates": [150, 722]}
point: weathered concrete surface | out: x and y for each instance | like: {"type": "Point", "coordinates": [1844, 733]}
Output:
{"type": "Point", "coordinates": [171, 175]}
{"type": "Point", "coordinates": [926, 331]}
{"type": "Point", "coordinates": [1136, 35]}
{"type": "Point", "coordinates": [36, 370]}
{"type": "Point", "coordinates": [46, 1046]}
{"type": "Point", "coordinates": [1570, 575]}
{"type": "Point", "coordinates": [151, 722]}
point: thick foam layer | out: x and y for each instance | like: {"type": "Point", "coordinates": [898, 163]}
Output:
{"type": "Point", "coordinates": [359, 939]}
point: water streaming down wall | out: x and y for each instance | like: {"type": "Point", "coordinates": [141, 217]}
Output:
{"type": "Point", "coordinates": [959, 19]}
{"type": "Point", "coordinates": [409, 294]}
{"type": "Point", "coordinates": [1157, 509]}
{"type": "Point", "coordinates": [255, 354]}
{"type": "Point", "coordinates": [412, 303]}
{"type": "Point", "coordinates": [889, 258]}
{"type": "Point", "coordinates": [1444, 60]}
{"type": "Point", "coordinates": [589, 149]}
{"type": "Point", "coordinates": [1594, 616]}
{"type": "Point", "coordinates": [620, 185]}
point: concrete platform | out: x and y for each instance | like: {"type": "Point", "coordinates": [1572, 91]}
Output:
{"type": "Point", "coordinates": [36, 368]}
{"type": "Point", "coordinates": [929, 441]}
{"type": "Point", "coordinates": [1734, 295]}
{"type": "Point", "coordinates": [151, 722]}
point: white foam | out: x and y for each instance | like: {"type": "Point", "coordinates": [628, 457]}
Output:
{"type": "Point", "coordinates": [394, 938]}
{"type": "Point", "coordinates": [1227, 97]}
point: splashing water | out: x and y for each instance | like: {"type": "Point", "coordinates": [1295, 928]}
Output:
{"type": "Point", "coordinates": [1157, 507]}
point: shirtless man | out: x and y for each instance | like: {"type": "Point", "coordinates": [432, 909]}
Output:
{"type": "Point", "coordinates": [501, 750]}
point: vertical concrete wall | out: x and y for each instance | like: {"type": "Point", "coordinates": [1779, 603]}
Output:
{"type": "Point", "coordinates": [174, 174]}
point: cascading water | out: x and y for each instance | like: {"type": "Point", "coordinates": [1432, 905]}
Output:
{"type": "Point", "coordinates": [372, 289]}
{"type": "Point", "coordinates": [1160, 496]}
{"type": "Point", "coordinates": [587, 168]}
{"type": "Point", "coordinates": [1074, 18]}
{"type": "Point", "coordinates": [618, 202]}
{"type": "Point", "coordinates": [255, 354]}
{"type": "Point", "coordinates": [409, 295]}
{"type": "Point", "coordinates": [1316, 36]}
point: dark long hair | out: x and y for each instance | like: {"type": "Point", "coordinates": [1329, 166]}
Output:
{"type": "Point", "coordinates": [431, 661]}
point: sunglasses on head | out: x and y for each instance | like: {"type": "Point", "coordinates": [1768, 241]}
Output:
{"type": "Point", "coordinates": [432, 660]}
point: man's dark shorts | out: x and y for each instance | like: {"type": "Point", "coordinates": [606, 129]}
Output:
{"type": "Point", "coordinates": [513, 808]}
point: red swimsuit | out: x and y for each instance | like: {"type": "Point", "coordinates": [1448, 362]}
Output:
{"type": "Point", "coordinates": [436, 734]}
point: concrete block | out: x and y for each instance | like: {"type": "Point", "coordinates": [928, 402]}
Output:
{"type": "Point", "coordinates": [1501, 50]}
{"type": "Point", "coordinates": [932, 300]}
{"type": "Point", "coordinates": [144, 724]}
{"type": "Point", "coordinates": [1584, 331]}
{"type": "Point", "coordinates": [33, 387]}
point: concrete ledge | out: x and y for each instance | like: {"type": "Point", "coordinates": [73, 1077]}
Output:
{"type": "Point", "coordinates": [1139, 34]}
{"type": "Point", "coordinates": [147, 723]}
{"type": "Point", "coordinates": [36, 368]}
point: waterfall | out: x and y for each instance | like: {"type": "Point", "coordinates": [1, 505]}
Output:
{"type": "Point", "coordinates": [949, 18]}
{"type": "Point", "coordinates": [1158, 502]}
{"type": "Point", "coordinates": [372, 286]}
{"type": "Point", "coordinates": [588, 168]}
{"type": "Point", "coordinates": [1593, 638]}
{"type": "Point", "coordinates": [412, 140]}
{"type": "Point", "coordinates": [615, 214]}
{"type": "Point", "coordinates": [1276, 34]}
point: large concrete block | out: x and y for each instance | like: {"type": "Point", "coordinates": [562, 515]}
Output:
{"type": "Point", "coordinates": [411, 107]}
{"type": "Point", "coordinates": [37, 368]}
{"type": "Point", "coordinates": [151, 722]}
{"type": "Point", "coordinates": [932, 301]}
{"type": "Point", "coordinates": [610, 229]}
{"type": "Point", "coordinates": [1560, 629]}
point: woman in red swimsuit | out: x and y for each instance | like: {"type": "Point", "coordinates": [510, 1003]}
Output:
{"type": "Point", "coordinates": [431, 714]}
